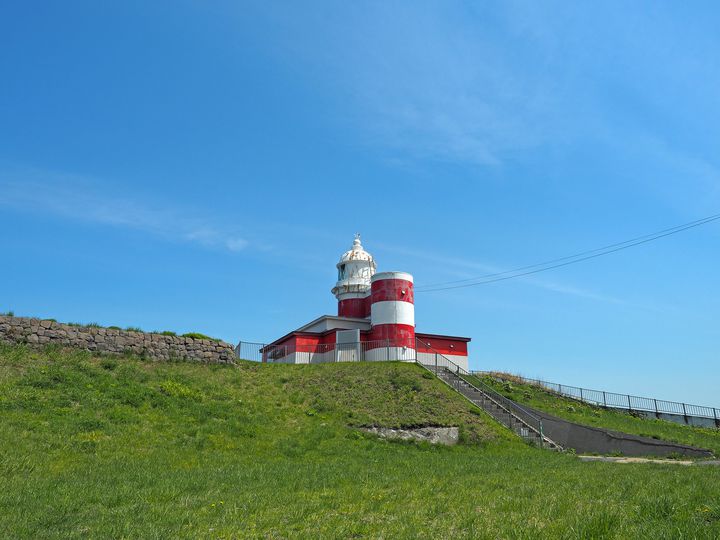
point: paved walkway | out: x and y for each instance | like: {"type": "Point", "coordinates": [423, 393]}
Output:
{"type": "Point", "coordinates": [609, 459]}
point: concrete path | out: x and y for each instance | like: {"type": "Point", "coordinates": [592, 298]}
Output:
{"type": "Point", "coordinates": [608, 459]}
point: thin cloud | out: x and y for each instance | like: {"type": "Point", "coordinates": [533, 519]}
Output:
{"type": "Point", "coordinates": [236, 244]}
{"type": "Point", "coordinates": [478, 84]}
{"type": "Point", "coordinates": [441, 89]}
{"type": "Point", "coordinates": [455, 265]}
{"type": "Point", "coordinates": [80, 199]}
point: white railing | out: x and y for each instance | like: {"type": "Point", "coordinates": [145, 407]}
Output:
{"type": "Point", "coordinates": [379, 350]}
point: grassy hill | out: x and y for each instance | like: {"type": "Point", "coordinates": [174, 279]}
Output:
{"type": "Point", "coordinates": [582, 413]}
{"type": "Point", "coordinates": [94, 447]}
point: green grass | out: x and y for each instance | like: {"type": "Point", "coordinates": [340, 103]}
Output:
{"type": "Point", "coordinates": [101, 447]}
{"type": "Point", "coordinates": [586, 414]}
{"type": "Point", "coordinates": [198, 335]}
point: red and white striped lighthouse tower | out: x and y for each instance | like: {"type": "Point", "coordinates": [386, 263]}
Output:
{"type": "Point", "coordinates": [392, 316]}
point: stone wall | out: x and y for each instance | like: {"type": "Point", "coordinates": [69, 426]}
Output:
{"type": "Point", "coordinates": [110, 340]}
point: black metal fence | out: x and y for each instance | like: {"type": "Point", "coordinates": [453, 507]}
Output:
{"type": "Point", "coordinates": [669, 410]}
{"type": "Point", "coordinates": [247, 350]}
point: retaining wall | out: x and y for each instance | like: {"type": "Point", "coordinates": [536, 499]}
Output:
{"type": "Point", "coordinates": [110, 340]}
{"type": "Point", "coordinates": [604, 441]}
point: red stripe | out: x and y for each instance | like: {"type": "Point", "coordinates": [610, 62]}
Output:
{"type": "Point", "coordinates": [442, 346]}
{"type": "Point", "coordinates": [385, 290]}
{"type": "Point", "coordinates": [353, 307]}
{"type": "Point", "coordinates": [399, 335]}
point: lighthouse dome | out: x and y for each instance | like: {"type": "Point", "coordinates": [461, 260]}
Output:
{"type": "Point", "coordinates": [355, 268]}
{"type": "Point", "coordinates": [356, 253]}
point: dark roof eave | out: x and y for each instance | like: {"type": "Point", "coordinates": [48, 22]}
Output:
{"type": "Point", "coordinates": [440, 336]}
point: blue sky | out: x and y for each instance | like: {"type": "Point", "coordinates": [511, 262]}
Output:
{"type": "Point", "coordinates": [200, 166]}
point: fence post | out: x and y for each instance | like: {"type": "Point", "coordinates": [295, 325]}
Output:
{"type": "Point", "coordinates": [685, 413]}
{"type": "Point", "coordinates": [717, 421]}
{"type": "Point", "coordinates": [387, 343]}
{"type": "Point", "coordinates": [656, 409]}
{"type": "Point", "coordinates": [604, 399]}
{"type": "Point", "coordinates": [436, 370]}
{"type": "Point", "coordinates": [581, 395]}
{"type": "Point", "coordinates": [559, 388]}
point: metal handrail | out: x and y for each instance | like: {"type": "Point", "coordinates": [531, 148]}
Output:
{"type": "Point", "coordinates": [509, 405]}
{"type": "Point", "coordinates": [619, 401]}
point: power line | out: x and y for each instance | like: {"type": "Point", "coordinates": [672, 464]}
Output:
{"type": "Point", "coordinates": [565, 261]}
{"type": "Point", "coordinates": [677, 228]}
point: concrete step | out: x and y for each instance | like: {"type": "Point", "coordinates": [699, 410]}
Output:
{"type": "Point", "coordinates": [499, 413]}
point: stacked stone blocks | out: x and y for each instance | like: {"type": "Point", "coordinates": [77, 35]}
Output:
{"type": "Point", "coordinates": [109, 340]}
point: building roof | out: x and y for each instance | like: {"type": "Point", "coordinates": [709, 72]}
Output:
{"type": "Point", "coordinates": [330, 319]}
{"type": "Point", "coordinates": [325, 324]}
{"type": "Point", "coordinates": [441, 336]}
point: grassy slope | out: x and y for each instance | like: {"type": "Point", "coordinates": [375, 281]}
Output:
{"type": "Point", "coordinates": [93, 447]}
{"type": "Point", "coordinates": [581, 413]}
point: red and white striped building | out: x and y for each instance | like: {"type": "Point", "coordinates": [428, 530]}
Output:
{"type": "Point", "coordinates": [375, 321]}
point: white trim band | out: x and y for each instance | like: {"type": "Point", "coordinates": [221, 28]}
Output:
{"type": "Point", "coordinates": [392, 312]}
{"type": "Point", "coordinates": [392, 275]}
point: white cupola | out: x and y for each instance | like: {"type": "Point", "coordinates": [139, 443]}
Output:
{"type": "Point", "coordinates": [355, 268]}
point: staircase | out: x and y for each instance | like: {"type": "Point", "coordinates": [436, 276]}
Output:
{"type": "Point", "coordinates": [510, 414]}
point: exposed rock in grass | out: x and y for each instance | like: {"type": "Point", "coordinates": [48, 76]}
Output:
{"type": "Point", "coordinates": [433, 435]}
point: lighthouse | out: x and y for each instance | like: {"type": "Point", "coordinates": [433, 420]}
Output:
{"type": "Point", "coordinates": [375, 321]}
{"type": "Point", "coordinates": [352, 290]}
